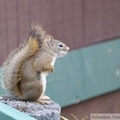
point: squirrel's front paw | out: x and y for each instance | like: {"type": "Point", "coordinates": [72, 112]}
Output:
{"type": "Point", "coordinates": [48, 68]}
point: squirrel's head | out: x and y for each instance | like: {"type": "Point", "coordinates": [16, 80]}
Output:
{"type": "Point", "coordinates": [56, 47]}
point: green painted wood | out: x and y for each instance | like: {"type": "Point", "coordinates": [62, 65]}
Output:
{"type": "Point", "coordinates": [101, 68]}
{"type": "Point", "coordinates": [85, 73]}
{"type": "Point", "coordinates": [8, 113]}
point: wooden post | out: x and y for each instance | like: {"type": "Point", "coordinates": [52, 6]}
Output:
{"type": "Point", "coordinates": [33, 109]}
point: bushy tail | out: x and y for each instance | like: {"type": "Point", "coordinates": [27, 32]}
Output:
{"type": "Point", "coordinates": [14, 63]}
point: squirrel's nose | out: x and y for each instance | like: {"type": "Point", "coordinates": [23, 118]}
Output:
{"type": "Point", "coordinates": [68, 48]}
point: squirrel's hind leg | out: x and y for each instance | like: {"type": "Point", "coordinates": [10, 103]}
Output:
{"type": "Point", "coordinates": [44, 100]}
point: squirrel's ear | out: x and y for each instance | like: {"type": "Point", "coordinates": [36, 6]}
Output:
{"type": "Point", "coordinates": [49, 40]}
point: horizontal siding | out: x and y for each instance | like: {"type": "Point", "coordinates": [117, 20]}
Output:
{"type": "Point", "coordinates": [108, 103]}
{"type": "Point", "coordinates": [78, 23]}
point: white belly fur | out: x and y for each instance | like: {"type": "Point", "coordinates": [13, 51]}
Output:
{"type": "Point", "coordinates": [44, 81]}
{"type": "Point", "coordinates": [53, 61]}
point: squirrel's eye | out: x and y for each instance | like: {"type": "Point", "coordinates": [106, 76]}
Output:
{"type": "Point", "coordinates": [60, 45]}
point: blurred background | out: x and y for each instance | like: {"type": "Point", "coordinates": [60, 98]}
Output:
{"type": "Point", "coordinates": [87, 80]}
